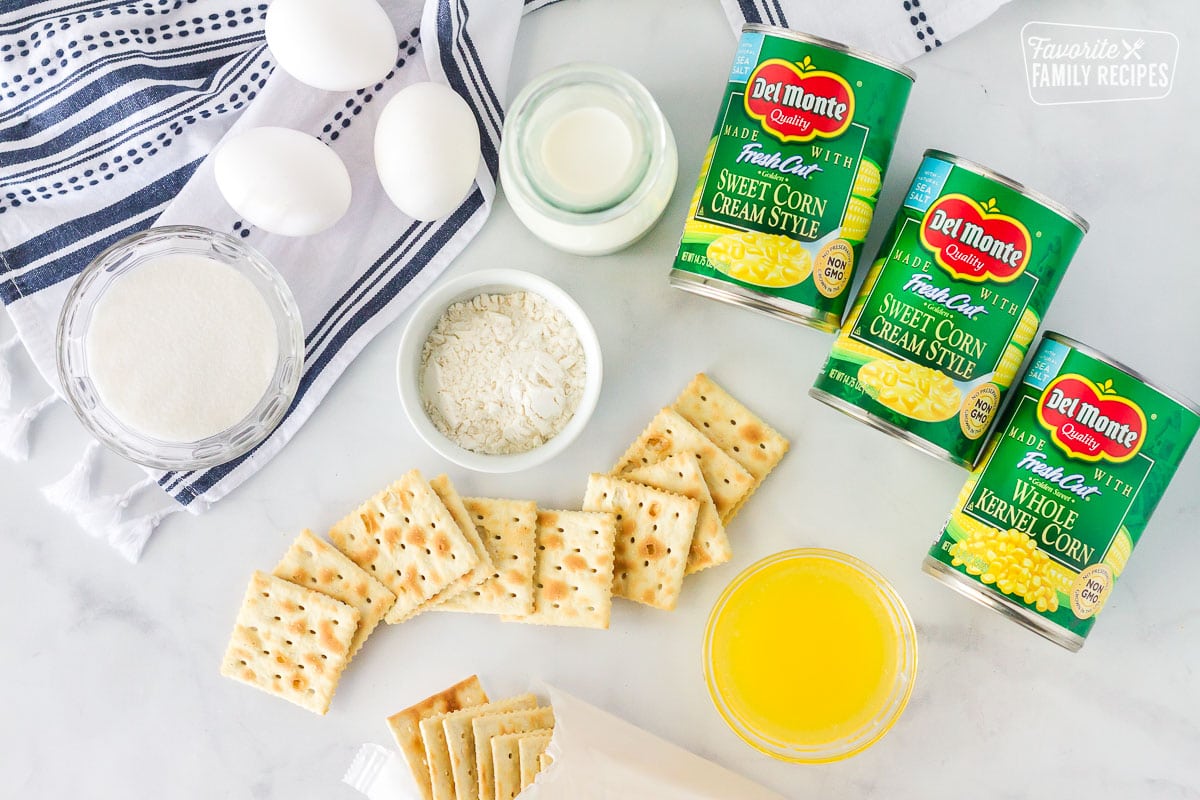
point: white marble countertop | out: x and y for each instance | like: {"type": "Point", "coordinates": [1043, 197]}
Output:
{"type": "Point", "coordinates": [110, 671]}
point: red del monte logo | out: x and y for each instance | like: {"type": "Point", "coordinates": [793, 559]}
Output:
{"type": "Point", "coordinates": [798, 103]}
{"type": "Point", "coordinates": [975, 242]}
{"type": "Point", "coordinates": [1091, 422]}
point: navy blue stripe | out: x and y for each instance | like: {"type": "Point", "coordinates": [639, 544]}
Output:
{"type": "Point", "coordinates": [779, 13]}
{"type": "Point", "coordinates": [13, 5]}
{"type": "Point", "coordinates": [463, 62]}
{"type": "Point", "coordinates": [450, 67]}
{"type": "Point", "coordinates": [78, 76]}
{"type": "Point", "coordinates": [67, 267]}
{"type": "Point", "coordinates": [121, 137]}
{"type": "Point", "coordinates": [54, 11]}
{"type": "Point", "coordinates": [750, 11]}
{"type": "Point", "coordinates": [466, 46]}
{"type": "Point", "coordinates": [149, 197]}
{"type": "Point", "coordinates": [170, 479]}
{"type": "Point", "coordinates": [344, 304]}
{"type": "Point", "coordinates": [312, 371]}
{"type": "Point", "coordinates": [167, 84]}
{"type": "Point", "coordinates": [361, 287]}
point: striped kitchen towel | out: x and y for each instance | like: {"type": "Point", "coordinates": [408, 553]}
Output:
{"type": "Point", "coordinates": [108, 109]}
{"type": "Point", "coordinates": [899, 30]}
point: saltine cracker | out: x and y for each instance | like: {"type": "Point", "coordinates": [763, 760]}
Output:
{"type": "Point", "coordinates": [406, 729]}
{"type": "Point", "coordinates": [573, 583]}
{"type": "Point", "coordinates": [406, 538]}
{"type": "Point", "coordinates": [530, 747]}
{"type": "Point", "coordinates": [290, 641]}
{"type": "Point", "coordinates": [669, 434]}
{"type": "Point", "coordinates": [316, 564]}
{"type": "Point", "coordinates": [681, 474]}
{"type": "Point", "coordinates": [507, 529]}
{"type": "Point", "coordinates": [455, 736]}
{"type": "Point", "coordinates": [654, 536]}
{"type": "Point", "coordinates": [738, 431]}
{"type": "Point", "coordinates": [491, 725]}
{"type": "Point", "coordinates": [450, 498]}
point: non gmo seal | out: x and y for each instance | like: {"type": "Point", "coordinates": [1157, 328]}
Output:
{"type": "Point", "coordinates": [1091, 589]}
{"type": "Point", "coordinates": [978, 410]}
{"type": "Point", "coordinates": [835, 265]}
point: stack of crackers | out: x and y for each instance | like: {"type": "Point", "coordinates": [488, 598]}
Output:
{"type": "Point", "coordinates": [461, 746]}
{"type": "Point", "coordinates": [677, 487]}
{"type": "Point", "coordinates": [419, 546]}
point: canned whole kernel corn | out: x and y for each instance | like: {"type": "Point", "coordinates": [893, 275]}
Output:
{"type": "Point", "coordinates": [945, 314]}
{"type": "Point", "coordinates": [1044, 527]}
{"type": "Point", "coordinates": [788, 186]}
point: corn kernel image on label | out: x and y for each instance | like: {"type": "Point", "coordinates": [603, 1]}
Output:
{"type": "Point", "coordinates": [760, 259]}
{"type": "Point", "coordinates": [950, 308]}
{"type": "Point", "coordinates": [788, 186]}
{"type": "Point", "coordinates": [1046, 524]}
{"type": "Point", "coordinates": [916, 392]}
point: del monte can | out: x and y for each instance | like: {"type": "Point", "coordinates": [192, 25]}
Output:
{"type": "Point", "coordinates": [947, 311]}
{"type": "Point", "coordinates": [1047, 523]}
{"type": "Point", "coordinates": [788, 186]}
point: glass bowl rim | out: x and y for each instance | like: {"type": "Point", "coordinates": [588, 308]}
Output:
{"type": "Point", "coordinates": [149, 451]}
{"type": "Point", "coordinates": [867, 736]}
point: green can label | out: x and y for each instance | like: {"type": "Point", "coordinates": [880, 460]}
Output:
{"type": "Point", "coordinates": [788, 186]}
{"type": "Point", "coordinates": [948, 311]}
{"type": "Point", "coordinates": [1048, 521]}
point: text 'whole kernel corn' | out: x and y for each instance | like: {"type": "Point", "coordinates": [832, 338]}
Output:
{"type": "Point", "coordinates": [1048, 521]}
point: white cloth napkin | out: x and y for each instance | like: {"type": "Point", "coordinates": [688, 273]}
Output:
{"type": "Point", "coordinates": [109, 108]}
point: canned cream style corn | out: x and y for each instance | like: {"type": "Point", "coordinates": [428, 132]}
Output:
{"type": "Point", "coordinates": [949, 308]}
{"type": "Point", "coordinates": [788, 186]}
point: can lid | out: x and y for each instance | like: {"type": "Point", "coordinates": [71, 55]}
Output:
{"type": "Point", "coordinates": [1092, 352]}
{"type": "Point", "coordinates": [1016, 186]}
{"type": "Point", "coordinates": [788, 33]}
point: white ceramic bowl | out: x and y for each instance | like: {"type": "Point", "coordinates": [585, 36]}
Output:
{"type": "Point", "coordinates": [426, 315]}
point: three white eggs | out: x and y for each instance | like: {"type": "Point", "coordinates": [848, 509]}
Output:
{"type": "Point", "coordinates": [426, 145]}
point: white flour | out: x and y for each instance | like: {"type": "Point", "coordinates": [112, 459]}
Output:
{"type": "Point", "coordinates": [502, 373]}
{"type": "Point", "coordinates": [181, 348]}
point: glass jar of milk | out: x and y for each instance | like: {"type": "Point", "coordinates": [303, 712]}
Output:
{"type": "Point", "coordinates": [588, 162]}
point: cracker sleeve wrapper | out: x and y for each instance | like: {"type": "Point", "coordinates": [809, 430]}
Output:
{"type": "Point", "coordinates": [380, 774]}
{"type": "Point", "coordinates": [598, 756]}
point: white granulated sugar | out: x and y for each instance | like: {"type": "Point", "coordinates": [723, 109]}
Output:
{"type": "Point", "coordinates": [181, 348]}
{"type": "Point", "coordinates": [502, 373]}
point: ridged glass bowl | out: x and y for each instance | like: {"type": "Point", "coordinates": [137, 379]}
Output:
{"type": "Point", "coordinates": [126, 255]}
{"type": "Point", "coordinates": [748, 596]}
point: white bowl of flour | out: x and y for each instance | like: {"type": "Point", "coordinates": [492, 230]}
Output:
{"type": "Point", "coordinates": [499, 370]}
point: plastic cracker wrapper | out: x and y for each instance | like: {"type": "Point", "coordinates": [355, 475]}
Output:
{"type": "Point", "coordinates": [596, 756]}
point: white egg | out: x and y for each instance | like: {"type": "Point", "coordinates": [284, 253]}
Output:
{"type": "Point", "coordinates": [282, 181]}
{"type": "Point", "coordinates": [337, 45]}
{"type": "Point", "coordinates": [427, 150]}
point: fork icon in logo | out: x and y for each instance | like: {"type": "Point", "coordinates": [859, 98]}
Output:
{"type": "Point", "coordinates": [1133, 50]}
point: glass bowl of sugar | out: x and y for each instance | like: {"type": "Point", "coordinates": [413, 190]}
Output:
{"type": "Point", "coordinates": [180, 348]}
